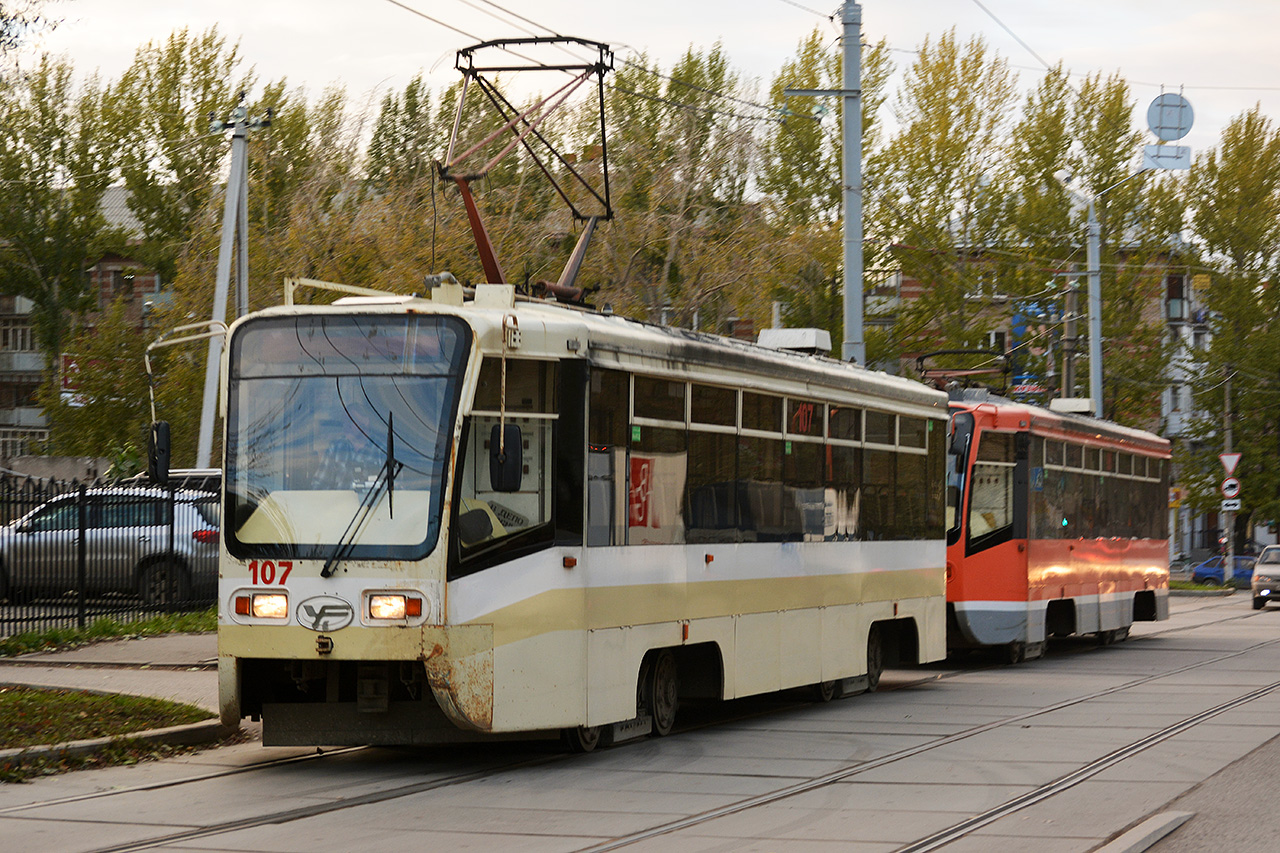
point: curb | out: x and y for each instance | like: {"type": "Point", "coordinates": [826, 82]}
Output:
{"type": "Point", "coordinates": [190, 734]}
{"type": "Point", "coordinates": [1147, 833]}
{"type": "Point", "coordinates": [1205, 593]}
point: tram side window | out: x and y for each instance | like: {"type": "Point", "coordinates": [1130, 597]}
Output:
{"type": "Point", "coordinates": [934, 488]}
{"type": "Point", "coordinates": [484, 517]}
{"type": "Point", "coordinates": [878, 492]}
{"type": "Point", "coordinates": [658, 469]}
{"type": "Point", "coordinates": [712, 507]}
{"type": "Point", "coordinates": [844, 493]}
{"type": "Point", "coordinates": [762, 515]}
{"type": "Point", "coordinates": [991, 495]}
{"type": "Point", "coordinates": [607, 426]}
{"type": "Point", "coordinates": [802, 476]}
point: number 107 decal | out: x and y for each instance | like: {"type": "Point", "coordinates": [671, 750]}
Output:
{"type": "Point", "coordinates": [265, 572]}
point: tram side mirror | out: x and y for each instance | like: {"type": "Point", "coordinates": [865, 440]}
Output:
{"type": "Point", "coordinates": [506, 458]}
{"type": "Point", "coordinates": [961, 433]}
{"type": "Point", "coordinates": [158, 453]}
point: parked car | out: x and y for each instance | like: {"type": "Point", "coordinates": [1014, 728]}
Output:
{"type": "Point", "coordinates": [1210, 571]}
{"type": "Point", "coordinates": [1266, 577]}
{"type": "Point", "coordinates": [126, 545]}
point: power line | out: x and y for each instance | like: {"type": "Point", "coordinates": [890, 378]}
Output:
{"type": "Point", "coordinates": [437, 21]}
{"type": "Point", "coordinates": [803, 8]}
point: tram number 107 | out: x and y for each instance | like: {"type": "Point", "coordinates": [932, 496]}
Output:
{"type": "Point", "coordinates": [265, 572]}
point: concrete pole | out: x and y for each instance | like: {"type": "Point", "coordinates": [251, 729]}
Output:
{"type": "Point", "coordinates": [854, 347]}
{"type": "Point", "coordinates": [222, 285]}
{"type": "Point", "coordinates": [1094, 260]}
{"type": "Point", "coordinates": [1228, 517]}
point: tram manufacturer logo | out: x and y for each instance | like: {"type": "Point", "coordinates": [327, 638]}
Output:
{"type": "Point", "coordinates": [325, 613]}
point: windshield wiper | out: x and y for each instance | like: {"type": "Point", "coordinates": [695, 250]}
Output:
{"type": "Point", "coordinates": [386, 479]}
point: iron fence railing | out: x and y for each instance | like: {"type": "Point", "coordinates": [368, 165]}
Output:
{"type": "Point", "coordinates": [71, 553]}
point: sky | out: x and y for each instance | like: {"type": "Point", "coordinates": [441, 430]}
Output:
{"type": "Point", "coordinates": [1220, 55]}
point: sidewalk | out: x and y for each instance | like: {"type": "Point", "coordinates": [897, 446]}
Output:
{"type": "Point", "coordinates": [177, 667]}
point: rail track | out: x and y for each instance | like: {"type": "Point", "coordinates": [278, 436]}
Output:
{"type": "Point", "coordinates": [490, 763]}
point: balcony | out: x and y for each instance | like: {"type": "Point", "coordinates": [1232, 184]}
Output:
{"type": "Point", "coordinates": [23, 417]}
{"type": "Point", "coordinates": [21, 362]}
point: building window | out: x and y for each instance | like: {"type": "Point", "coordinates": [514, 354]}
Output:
{"type": "Point", "coordinates": [15, 336]}
{"type": "Point", "coordinates": [1175, 298]}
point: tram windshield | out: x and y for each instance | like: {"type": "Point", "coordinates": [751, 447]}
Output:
{"type": "Point", "coordinates": [313, 402]}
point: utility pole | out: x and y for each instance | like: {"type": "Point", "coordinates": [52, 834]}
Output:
{"type": "Point", "coordinates": [1228, 517]}
{"type": "Point", "coordinates": [1069, 340]}
{"type": "Point", "coordinates": [854, 347]}
{"type": "Point", "coordinates": [1094, 260]}
{"type": "Point", "coordinates": [235, 233]}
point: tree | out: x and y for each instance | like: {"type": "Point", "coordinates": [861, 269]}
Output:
{"type": "Point", "coordinates": [943, 186]}
{"type": "Point", "coordinates": [19, 20]}
{"type": "Point", "coordinates": [1234, 195]}
{"type": "Point", "coordinates": [169, 160]}
{"type": "Point", "coordinates": [108, 411]}
{"type": "Point", "coordinates": [56, 161]}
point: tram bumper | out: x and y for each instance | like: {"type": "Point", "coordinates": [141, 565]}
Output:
{"type": "Point", "coordinates": [359, 685]}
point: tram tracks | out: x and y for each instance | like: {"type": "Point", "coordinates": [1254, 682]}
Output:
{"type": "Point", "coordinates": [932, 842]}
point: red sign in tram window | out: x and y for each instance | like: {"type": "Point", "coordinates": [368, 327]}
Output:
{"type": "Point", "coordinates": [641, 490]}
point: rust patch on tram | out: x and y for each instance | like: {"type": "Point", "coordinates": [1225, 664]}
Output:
{"type": "Point", "coordinates": [460, 672]}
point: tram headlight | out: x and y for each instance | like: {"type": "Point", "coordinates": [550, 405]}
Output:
{"type": "Point", "coordinates": [263, 605]}
{"type": "Point", "coordinates": [394, 606]}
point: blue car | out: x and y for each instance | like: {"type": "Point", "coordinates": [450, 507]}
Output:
{"type": "Point", "coordinates": [1210, 571]}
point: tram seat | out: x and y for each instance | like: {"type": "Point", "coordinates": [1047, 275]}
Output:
{"type": "Point", "coordinates": [477, 523]}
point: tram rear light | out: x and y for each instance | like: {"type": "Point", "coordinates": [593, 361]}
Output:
{"type": "Point", "coordinates": [387, 606]}
{"type": "Point", "coordinates": [209, 537]}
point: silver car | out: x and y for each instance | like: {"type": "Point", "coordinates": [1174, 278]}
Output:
{"type": "Point", "coordinates": [1266, 577]}
{"type": "Point", "coordinates": [126, 545]}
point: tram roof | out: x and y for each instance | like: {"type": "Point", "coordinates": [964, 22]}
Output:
{"type": "Point", "coordinates": [1044, 421]}
{"type": "Point", "coordinates": [552, 330]}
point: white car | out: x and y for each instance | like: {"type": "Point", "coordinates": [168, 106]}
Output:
{"type": "Point", "coordinates": [1266, 577]}
{"type": "Point", "coordinates": [125, 541]}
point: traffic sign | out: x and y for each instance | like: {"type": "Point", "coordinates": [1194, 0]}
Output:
{"type": "Point", "coordinates": [1230, 461]}
{"type": "Point", "coordinates": [1231, 505]}
{"type": "Point", "coordinates": [1231, 488]}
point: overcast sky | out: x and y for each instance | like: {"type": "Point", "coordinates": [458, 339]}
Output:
{"type": "Point", "coordinates": [1221, 55]}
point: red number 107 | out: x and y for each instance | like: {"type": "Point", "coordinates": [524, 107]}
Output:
{"type": "Point", "coordinates": [265, 572]}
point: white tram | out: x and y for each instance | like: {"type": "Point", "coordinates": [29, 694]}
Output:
{"type": "Point", "coordinates": [457, 518]}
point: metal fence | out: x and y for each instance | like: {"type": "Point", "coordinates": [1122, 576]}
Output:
{"type": "Point", "coordinates": [71, 553]}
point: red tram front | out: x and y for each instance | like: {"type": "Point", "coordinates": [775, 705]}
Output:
{"type": "Point", "coordinates": [1057, 526]}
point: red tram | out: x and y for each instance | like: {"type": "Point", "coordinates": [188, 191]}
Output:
{"type": "Point", "coordinates": [1056, 526]}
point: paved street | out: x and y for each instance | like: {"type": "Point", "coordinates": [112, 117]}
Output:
{"type": "Point", "coordinates": [1060, 754]}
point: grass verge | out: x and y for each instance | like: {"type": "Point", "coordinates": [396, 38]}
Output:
{"type": "Point", "coordinates": [32, 716]}
{"type": "Point", "coordinates": [109, 629]}
{"type": "Point", "coordinates": [1195, 586]}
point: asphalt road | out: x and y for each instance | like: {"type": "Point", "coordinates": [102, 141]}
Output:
{"type": "Point", "coordinates": [1061, 754]}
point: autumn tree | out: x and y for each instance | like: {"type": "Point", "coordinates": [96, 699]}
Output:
{"type": "Point", "coordinates": [56, 162]}
{"type": "Point", "coordinates": [1234, 195]}
{"type": "Point", "coordinates": [943, 184]}
{"type": "Point", "coordinates": [170, 161]}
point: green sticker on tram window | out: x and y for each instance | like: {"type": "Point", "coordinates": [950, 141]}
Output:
{"type": "Point", "coordinates": [929, 426]}
{"type": "Point", "coordinates": [635, 434]}
{"type": "Point", "coordinates": [788, 448]}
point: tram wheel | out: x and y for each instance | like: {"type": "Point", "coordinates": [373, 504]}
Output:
{"type": "Point", "coordinates": [1015, 652]}
{"type": "Point", "coordinates": [663, 693]}
{"type": "Point", "coordinates": [875, 658]}
{"type": "Point", "coordinates": [581, 738]}
{"type": "Point", "coordinates": [824, 691]}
